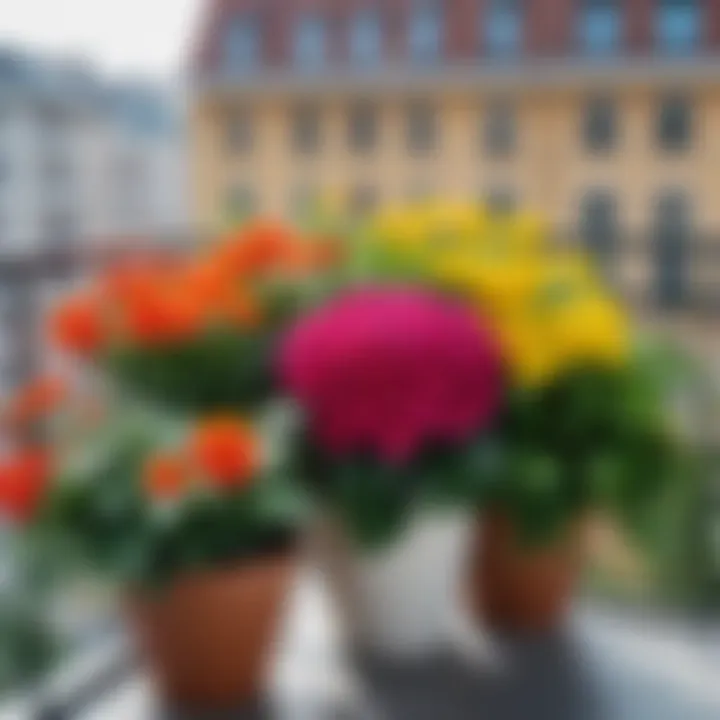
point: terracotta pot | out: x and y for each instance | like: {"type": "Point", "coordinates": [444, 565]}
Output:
{"type": "Point", "coordinates": [208, 638]}
{"type": "Point", "coordinates": [518, 588]}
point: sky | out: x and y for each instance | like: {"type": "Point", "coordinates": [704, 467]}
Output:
{"type": "Point", "coordinates": [122, 37]}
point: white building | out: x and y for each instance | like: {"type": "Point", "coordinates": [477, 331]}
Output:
{"type": "Point", "coordinates": [84, 164]}
{"type": "Point", "coordinates": [83, 160]}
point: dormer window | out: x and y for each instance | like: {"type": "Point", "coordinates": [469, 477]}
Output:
{"type": "Point", "coordinates": [310, 45]}
{"type": "Point", "coordinates": [242, 44]}
{"type": "Point", "coordinates": [366, 38]}
{"type": "Point", "coordinates": [425, 32]}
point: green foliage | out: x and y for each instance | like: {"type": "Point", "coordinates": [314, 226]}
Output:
{"type": "Point", "coordinates": [594, 438]}
{"type": "Point", "coordinates": [99, 514]}
{"type": "Point", "coordinates": [219, 370]}
{"type": "Point", "coordinates": [375, 498]}
{"type": "Point", "coordinates": [28, 645]}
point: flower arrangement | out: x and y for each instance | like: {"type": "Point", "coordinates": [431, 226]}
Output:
{"type": "Point", "coordinates": [154, 469]}
{"type": "Point", "coordinates": [195, 333]}
{"type": "Point", "coordinates": [451, 358]}
{"type": "Point", "coordinates": [585, 417]}
{"type": "Point", "coordinates": [397, 386]}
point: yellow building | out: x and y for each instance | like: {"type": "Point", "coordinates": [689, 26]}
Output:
{"type": "Point", "coordinates": [610, 144]}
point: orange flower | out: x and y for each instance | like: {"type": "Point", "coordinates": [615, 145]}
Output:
{"type": "Point", "coordinates": [226, 450]}
{"type": "Point", "coordinates": [77, 325]}
{"type": "Point", "coordinates": [161, 313]}
{"type": "Point", "coordinates": [35, 400]}
{"type": "Point", "coordinates": [165, 476]}
{"type": "Point", "coordinates": [238, 308]}
{"type": "Point", "coordinates": [258, 248]}
{"type": "Point", "coordinates": [207, 280]}
{"type": "Point", "coordinates": [23, 480]}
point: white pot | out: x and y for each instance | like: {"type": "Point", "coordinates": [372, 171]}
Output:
{"type": "Point", "coordinates": [405, 599]}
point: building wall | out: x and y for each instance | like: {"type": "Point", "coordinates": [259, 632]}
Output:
{"type": "Point", "coordinates": [549, 170]}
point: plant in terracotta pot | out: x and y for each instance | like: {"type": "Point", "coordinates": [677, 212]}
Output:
{"type": "Point", "coordinates": [587, 420]}
{"type": "Point", "coordinates": [609, 450]}
{"type": "Point", "coordinates": [398, 388]}
{"type": "Point", "coordinates": [199, 531]}
{"type": "Point", "coordinates": [174, 490]}
{"type": "Point", "coordinates": [194, 522]}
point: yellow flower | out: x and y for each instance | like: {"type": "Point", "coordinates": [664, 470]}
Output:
{"type": "Point", "coordinates": [500, 280]}
{"type": "Point", "coordinates": [531, 359]}
{"type": "Point", "coordinates": [592, 329]}
{"type": "Point", "coordinates": [550, 309]}
{"type": "Point", "coordinates": [398, 229]}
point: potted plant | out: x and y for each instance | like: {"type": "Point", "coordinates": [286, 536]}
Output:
{"type": "Point", "coordinates": [200, 534]}
{"type": "Point", "coordinates": [585, 424]}
{"type": "Point", "coordinates": [608, 451]}
{"type": "Point", "coordinates": [174, 490]}
{"type": "Point", "coordinates": [398, 388]}
{"type": "Point", "coordinates": [194, 333]}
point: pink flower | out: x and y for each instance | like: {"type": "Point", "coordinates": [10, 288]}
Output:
{"type": "Point", "coordinates": [391, 370]}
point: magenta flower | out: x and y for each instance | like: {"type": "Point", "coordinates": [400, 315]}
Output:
{"type": "Point", "coordinates": [390, 370]}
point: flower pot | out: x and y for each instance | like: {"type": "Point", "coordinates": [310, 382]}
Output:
{"type": "Point", "coordinates": [519, 588]}
{"type": "Point", "coordinates": [208, 638]}
{"type": "Point", "coordinates": [401, 600]}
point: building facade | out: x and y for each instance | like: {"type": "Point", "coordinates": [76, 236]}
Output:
{"type": "Point", "coordinates": [601, 114]}
{"type": "Point", "coordinates": [84, 160]}
{"type": "Point", "coordinates": [85, 165]}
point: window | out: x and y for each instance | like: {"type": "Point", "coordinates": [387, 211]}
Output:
{"type": "Point", "coordinates": [239, 131]}
{"type": "Point", "coordinates": [242, 48]}
{"type": "Point", "coordinates": [598, 224]}
{"type": "Point", "coordinates": [599, 124]}
{"type": "Point", "coordinates": [310, 42]}
{"type": "Point", "coordinates": [426, 28]}
{"type": "Point", "coordinates": [366, 38]}
{"type": "Point", "coordinates": [501, 201]}
{"type": "Point", "coordinates": [362, 127]}
{"type": "Point", "coordinates": [673, 231]}
{"type": "Point", "coordinates": [599, 27]}
{"type": "Point", "coordinates": [306, 129]}
{"type": "Point", "coordinates": [500, 129]}
{"type": "Point", "coordinates": [502, 28]}
{"type": "Point", "coordinates": [241, 202]}
{"type": "Point", "coordinates": [421, 127]}
{"type": "Point", "coordinates": [677, 26]}
{"type": "Point", "coordinates": [674, 123]}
